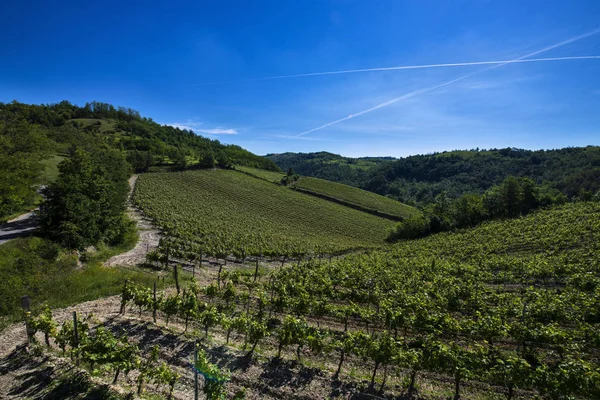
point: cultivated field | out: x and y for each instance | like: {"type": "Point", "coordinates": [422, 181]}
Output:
{"type": "Point", "coordinates": [337, 191]}
{"type": "Point", "coordinates": [224, 212]}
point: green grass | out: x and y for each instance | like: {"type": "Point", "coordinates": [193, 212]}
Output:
{"type": "Point", "coordinates": [229, 209]}
{"type": "Point", "coordinates": [356, 196]}
{"type": "Point", "coordinates": [270, 176]}
{"type": "Point", "coordinates": [47, 274]}
{"type": "Point", "coordinates": [341, 192]}
{"type": "Point", "coordinates": [105, 124]}
{"type": "Point", "coordinates": [50, 169]}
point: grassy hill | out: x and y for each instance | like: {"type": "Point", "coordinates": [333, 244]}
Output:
{"type": "Point", "coordinates": [338, 192]}
{"type": "Point", "coordinates": [225, 209]}
{"type": "Point", "coordinates": [356, 196]}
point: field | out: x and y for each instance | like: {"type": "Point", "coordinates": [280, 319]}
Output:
{"type": "Point", "coordinates": [270, 176]}
{"type": "Point", "coordinates": [337, 191]}
{"type": "Point", "coordinates": [356, 196]}
{"type": "Point", "coordinates": [227, 212]}
{"type": "Point", "coordinates": [104, 125]}
{"type": "Point", "coordinates": [507, 309]}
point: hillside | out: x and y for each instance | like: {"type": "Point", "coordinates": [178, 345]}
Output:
{"type": "Point", "coordinates": [344, 194]}
{"type": "Point", "coordinates": [36, 137]}
{"type": "Point", "coordinates": [328, 166]}
{"type": "Point", "coordinates": [225, 211]}
{"type": "Point", "coordinates": [509, 307]}
{"type": "Point", "coordinates": [417, 180]}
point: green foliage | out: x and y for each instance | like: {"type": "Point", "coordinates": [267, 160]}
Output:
{"type": "Point", "coordinates": [417, 180]}
{"type": "Point", "coordinates": [513, 197]}
{"type": "Point", "coordinates": [221, 212]}
{"type": "Point", "coordinates": [214, 378]}
{"type": "Point", "coordinates": [356, 196]}
{"type": "Point", "coordinates": [22, 147]}
{"type": "Point", "coordinates": [145, 142]}
{"type": "Point", "coordinates": [39, 269]}
{"type": "Point", "coordinates": [412, 227]}
{"type": "Point", "coordinates": [86, 203]}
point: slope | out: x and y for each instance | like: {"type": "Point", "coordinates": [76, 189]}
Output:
{"type": "Point", "coordinates": [419, 179]}
{"type": "Point", "coordinates": [229, 212]}
{"type": "Point", "coordinates": [340, 193]}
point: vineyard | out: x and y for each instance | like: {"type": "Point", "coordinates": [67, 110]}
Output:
{"type": "Point", "coordinates": [507, 309]}
{"type": "Point", "coordinates": [224, 212]}
{"type": "Point", "coordinates": [356, 196]}
{"type": "Point", "coordinates": [340, 192]}
{"type": "Point", "coordinates": [270, 176]}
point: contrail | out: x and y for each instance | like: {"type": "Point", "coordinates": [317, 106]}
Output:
{"type": "Point", "coordinates": [428, 89]}
{"type": "Point", "coordinates": [398, 68]}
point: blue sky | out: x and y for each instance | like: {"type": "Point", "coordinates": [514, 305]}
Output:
{"type": "Point", "coordinates": [166, 60]}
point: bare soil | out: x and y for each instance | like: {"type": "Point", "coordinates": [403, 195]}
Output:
{"type": "Point", "coordinates": [149, 235]}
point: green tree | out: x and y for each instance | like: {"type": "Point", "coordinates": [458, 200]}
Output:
{"type": "Point", "coordinates": [21, 149]}
{"type": "Point", "coordinates": [83, 207]}
{"type": "Point", "coordinates": [468, 210]}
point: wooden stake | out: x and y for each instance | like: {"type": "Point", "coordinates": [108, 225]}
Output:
{"type": "Point", "coordinates": [154, 305]}
{"type": "Point", "coordinates": [26, 308]}
{"type": "Point", "coordinates": [75, 334]}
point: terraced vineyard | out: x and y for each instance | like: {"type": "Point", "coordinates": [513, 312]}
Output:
{"type": "Point", "coordinates": [343, 193]}
{"type": "Point", "coordinates": [228, 212]}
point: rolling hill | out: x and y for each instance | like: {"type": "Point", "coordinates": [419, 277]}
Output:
{"type": "Point", "coordinates": [340, 193]}
{"type": "Point", "coordinates": [231, 212]}
{"type": "Point", "coordinates": [418, 179]}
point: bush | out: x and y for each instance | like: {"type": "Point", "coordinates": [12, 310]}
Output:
{"type": "Point", "coordinates": [412, 227]}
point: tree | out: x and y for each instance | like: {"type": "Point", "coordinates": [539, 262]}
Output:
{"type": "Point", "coordinates": [412, 227]}
{"type": "Point", "coordinates": [222, 160]}
{"type": "Point", "coordinates": [21, 149]}
{"type": "Point", "coordinates": [83, 207]}
{"type": "Point", "coordinates": [206, 159]}
{"type": "Point", "coordinates": [468, 210]}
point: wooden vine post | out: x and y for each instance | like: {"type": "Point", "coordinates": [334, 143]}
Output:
{"type": "Point", "coordinates": [76, 335]}
{"type": "Point", "coordinates": [176, 272]}
{"type": "Point", "coordinates": [26, 309]}
{"type": "Point", "coordinates": [154, 305]}
{"type": "Point", "coordinates": [195, 372]}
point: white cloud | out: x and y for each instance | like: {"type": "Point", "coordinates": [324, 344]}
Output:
{"type": "Point", "coordinates": [195, 126]}
{"type": "Point", "coordinates": [188, 125]}
{"type": "Point", "coordinates": [218, 131]}
{"type": "Point", "coordinates": [303, 138]}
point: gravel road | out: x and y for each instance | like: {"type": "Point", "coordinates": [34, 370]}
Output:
{"type": "Point", "coordinates": [21, 226]}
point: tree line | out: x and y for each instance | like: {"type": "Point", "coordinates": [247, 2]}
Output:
{"type": "Point", "coordinates": [417, 180]}
{"type": "Point", "coordinates": [513, 197]}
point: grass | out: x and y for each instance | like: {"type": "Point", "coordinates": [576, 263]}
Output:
{"type": "Point", "coordinates": [270, 176]}
{"type": "Point", "coordinates": [50, 169]}
{"type": "Point", "coordinates": [340, 192]}
{"type": "Point", "coordinates": [356, 196]}
{"type": "Point", "coordinates": [105, 124]}
{"type": "Point", "coordinates": [47, 274]}
{"type": "Point", "coordinates": [225, 208]}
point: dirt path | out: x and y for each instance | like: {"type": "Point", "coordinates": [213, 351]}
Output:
{"type": "Point", "coordinates": [149, 235]}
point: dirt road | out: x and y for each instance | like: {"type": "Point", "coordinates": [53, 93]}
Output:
{"type": "Point", "coordinates": [149, 235]}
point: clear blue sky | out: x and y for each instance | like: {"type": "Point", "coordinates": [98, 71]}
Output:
{"type": "Point", "coordinates": [151, 56]}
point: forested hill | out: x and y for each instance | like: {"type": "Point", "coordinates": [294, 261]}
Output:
{"type": "Point", "coordinates": [329, 166]}
{"type": "Point", "coordinates": [35, 138]}
{"type": "Point", "coordinates": [145, 141]}
{"type": "Point", "coordinates": [417, 180]}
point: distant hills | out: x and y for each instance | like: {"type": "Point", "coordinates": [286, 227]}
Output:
{"type": "Point", "coordinates": [417, 180]}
